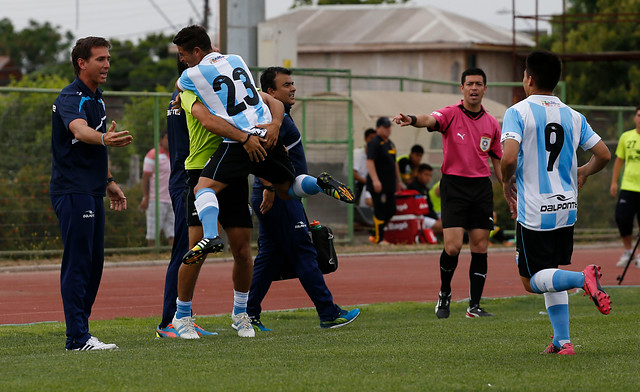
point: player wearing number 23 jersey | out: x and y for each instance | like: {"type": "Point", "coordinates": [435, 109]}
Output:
{"type": "Point", "coordinates": [233, 98]}
{"type": "Point", "coordinates": [549, 177]}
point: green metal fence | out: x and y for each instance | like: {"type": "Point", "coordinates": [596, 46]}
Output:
{"type": "Point", "coordinates": [28, 225]}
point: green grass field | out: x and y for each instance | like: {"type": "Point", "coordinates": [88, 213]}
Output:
{"type": "Point", "coordinates": [390, 347]}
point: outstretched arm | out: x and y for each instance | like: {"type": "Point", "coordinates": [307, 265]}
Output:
{"type": "Point", "coordinates": [421, 120]}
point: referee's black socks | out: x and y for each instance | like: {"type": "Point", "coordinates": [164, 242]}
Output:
{"type": "Point", "coordinates": [448, 266]}
{"type": "Point", "coordinates": [477, 277]}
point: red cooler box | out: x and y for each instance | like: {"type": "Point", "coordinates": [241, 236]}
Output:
{"type": "Point", "coordinates": [403, 229]}
{"type": "Point", "coordinates": [410, 202]}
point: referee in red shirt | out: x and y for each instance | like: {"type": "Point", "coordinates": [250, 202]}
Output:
{"type": "Point", "coordinates": [470, 136]}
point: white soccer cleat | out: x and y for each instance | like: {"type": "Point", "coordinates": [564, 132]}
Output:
{"type": "Point", "coordinates": [185, 328]}
{"type": "Point", "coordinates": [242, 324]}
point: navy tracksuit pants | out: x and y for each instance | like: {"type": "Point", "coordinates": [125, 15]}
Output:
{"type": "Point", "coordinates": [180, 247]}
{"type": "Point", "coordinates": [81, 219]}
{"type": "Point", "coordinates": [284, 234]}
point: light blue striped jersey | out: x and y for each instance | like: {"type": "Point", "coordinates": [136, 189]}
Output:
{"type": "Point", "coordinates": [549, 133]}
{"type": "Point", "coordinates": [225, 85]}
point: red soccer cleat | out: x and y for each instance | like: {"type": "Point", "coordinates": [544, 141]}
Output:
{"type": "Point", "coordinates": [566, 349]}
{"type": "Point", "coordinates": [594, 290]}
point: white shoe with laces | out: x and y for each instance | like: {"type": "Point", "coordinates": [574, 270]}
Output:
{"type": "Point", "coordinates": [242, 324]}
{"type": "Point", "coordinates": [185, 328]}
{"type": "Point", "coordinates": [94, 344]}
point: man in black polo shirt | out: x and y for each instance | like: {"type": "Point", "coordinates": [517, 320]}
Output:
{"type": "Point", "coordinates": [384, 177]}
{"type": "Point", "coordinates": [79, 179]}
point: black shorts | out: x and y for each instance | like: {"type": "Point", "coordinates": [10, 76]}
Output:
{"type": "Point", "coordinates": [466, 202]}
{"type": "Point", "coordinates": [235, 210]}
{"type": "Point", "coordinates": [231, 162]}
{"type": "Point", "coordinates": [538, 250]}
{"type": "Point", "coordinates": [627, 208]}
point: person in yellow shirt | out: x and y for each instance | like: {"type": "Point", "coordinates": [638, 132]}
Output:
{"type": "Point", "coordinates": [628, 206]}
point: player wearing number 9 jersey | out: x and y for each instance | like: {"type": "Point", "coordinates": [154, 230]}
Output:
{"type": "Point", "coordinates": [540, 137]}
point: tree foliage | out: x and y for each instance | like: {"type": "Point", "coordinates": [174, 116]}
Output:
{"type": "Point", "coordinates": [36, 47]}
{"type": "Point", "coordinates": [600, 82]}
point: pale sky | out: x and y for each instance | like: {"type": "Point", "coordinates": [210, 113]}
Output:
{"type": "Point", "coordinates": [124, 19]}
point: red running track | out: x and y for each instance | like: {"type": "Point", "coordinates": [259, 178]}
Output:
{"type": "Point", "coordinates": [137, 291]}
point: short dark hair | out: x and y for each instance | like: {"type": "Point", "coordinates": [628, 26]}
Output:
{"type": "Point", "coordinates": [82, 50]}
{"type": "Point", "coordinates": [369, 131]}
{"type": "Point", "coordinates": [424, 167]}
{"type": "Point", "coordinates": [637, 108]}
{"type": "Point", "coordinates": [268, 77]}
{"type": "Point", "coordinates": [417, 149]}
{"type": "Point", "coordinates": [192, 37]}
{"type": "Point", "coordinates": [545, 68]}
{"type": "Point", "coordinates": [473, 71]}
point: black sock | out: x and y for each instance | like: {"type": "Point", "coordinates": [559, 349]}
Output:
{"type": "Point", "coordinates": [448, 266]}
{"type": "Point", "coordinates": [477, 277]}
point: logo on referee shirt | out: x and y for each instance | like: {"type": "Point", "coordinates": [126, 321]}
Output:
{"type": "Point", "coordinates": [485, 143]}
{"type": "Point", "coordinates": [564, 203]}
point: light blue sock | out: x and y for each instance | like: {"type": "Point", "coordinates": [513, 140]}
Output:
{"type": "Point", "coordinates": [207, 207]}
{"type": "Point", "coordinates": [304, 186]}
{"type": "Point", "coordinates": [183, 309]}
{"type": "Point", "coordinates": [553, 280]}
{"type": "Point", "coordinates": [565, 280]}
{"type": "Point", "coordinates": [240, 302]}
{"type": "Point", "coordinates": [558, 309]}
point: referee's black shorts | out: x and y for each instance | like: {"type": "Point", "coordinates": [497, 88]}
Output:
{"type": "Point", "coordinates": [466, 202]}
{"type": "Point", "coordinates": [538, 250]}
{"type": "Point", "coordinates": [233, 201]}
{"type": "Point", "coordinates": [231, 162]}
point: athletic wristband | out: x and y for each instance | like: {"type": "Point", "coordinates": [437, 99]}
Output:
{"type": "Point", "coordinates": [247, 139]}
{"type": "Point", "coordinates": [110, 180]}
{"type": "Point", "coordinates": [414, 119]}
{"type": "Point", "coordinates": [102, 138]}
{"type": "Point", "coordinates": [269, 188]}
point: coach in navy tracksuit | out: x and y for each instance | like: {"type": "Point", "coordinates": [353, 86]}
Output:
{"type": "Point", "coordinates": [284, 229]}
{"type": "Point", "coordinates": [79, 179]}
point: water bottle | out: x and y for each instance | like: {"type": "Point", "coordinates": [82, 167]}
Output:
{"type": "Point", "coordinates": [314, 225]}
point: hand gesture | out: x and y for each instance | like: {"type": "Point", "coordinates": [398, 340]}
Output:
{"type": "Point", "coordinates": [116, 139]}
{"type": "Point", "coordinates": [402, 119]}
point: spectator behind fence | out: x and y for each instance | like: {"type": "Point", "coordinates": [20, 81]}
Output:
{"type": "Point", "coordinates": [420, 183]}
{"type": "Point", "coordinates": [470, 136]}
{"type": "Point", "coordinates": [408, 164]}
{"type": "Point", "coordinates": [79, 179]}
{"type": "Point", "coordinates": [383, 179]}
{"type": "Point", "coordinates": [165, 215]}
{"type": "Point", "coordinates": [360, 171]}
{"type": "Point", "coordinates": [543, 126]}
{"type": "Point", "coordinates": [628, 206]}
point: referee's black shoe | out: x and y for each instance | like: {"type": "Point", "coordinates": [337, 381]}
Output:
{"type": "Point", "coordinates": [202, 248]}
{"type": "Point", "coordinates": [335, 188]}
{"type": "Point", "coordinates": [442, 307]}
